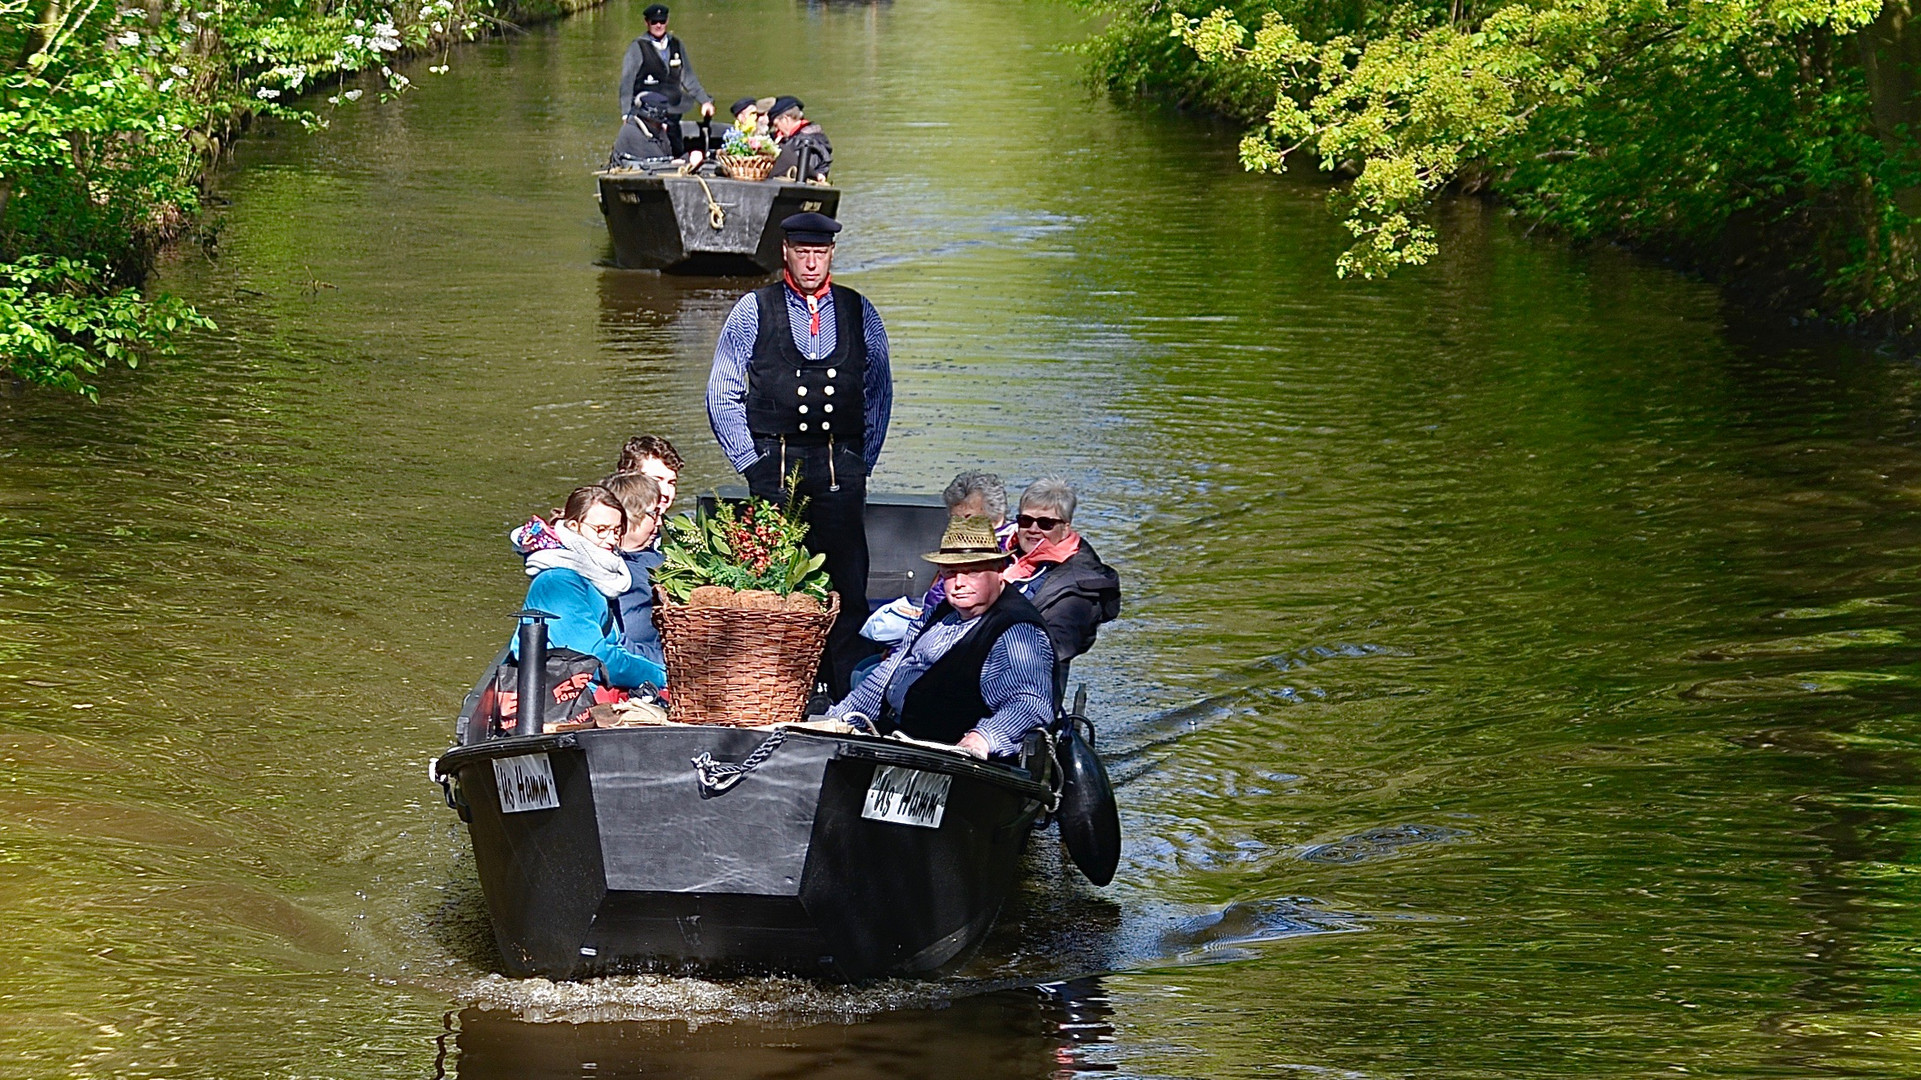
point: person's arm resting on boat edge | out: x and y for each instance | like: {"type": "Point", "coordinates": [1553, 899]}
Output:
{"type": "Point", "coordinates": [1017, 682]}
{"type": "Point", "coordinates": [727, 384]}
{"type": "Point", "coordinates": [877, 384]}
{"type": "Point", "coordinates": [865, 698]}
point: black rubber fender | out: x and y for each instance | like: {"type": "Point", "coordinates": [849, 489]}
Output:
{"type": "Point", "coordinates": [1090, 822]}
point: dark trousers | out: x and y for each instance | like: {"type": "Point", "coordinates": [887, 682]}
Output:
{"type": "Point", "coordinates": [675, 138]}
{"type": "Point", "coordinates": [836, 517]}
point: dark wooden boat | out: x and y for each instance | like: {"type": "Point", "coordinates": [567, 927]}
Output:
{"type": "Point", "coordinates": [705, 225]}
{"type": "Point", "coordinates": [849, 856]}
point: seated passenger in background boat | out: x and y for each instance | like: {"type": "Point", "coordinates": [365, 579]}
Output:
{"type": "Point", "coordinates": [643, 140]}
{"type": "Point", "coordinates": [1059, 573]}
{"type": "Point", "coordinates": [976, 670]}
{"type": "Point", "coordinates": [577, 571]}
{"type": "Point", "coordinates": [800, 138]}
{"type": "Point", "coordinates": [639, 496]}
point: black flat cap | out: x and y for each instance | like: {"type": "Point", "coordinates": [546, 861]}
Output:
{"type": "Point", "coordinates": [809, 228]}
{"type": "Point", "coordinates": [742, 104]}
{"type": "Point", "coordinates": [784, 103]}
{"type": "Point", "coordinates": [650, 105]}
{"type": "Point", "coordinates": [655, 13]}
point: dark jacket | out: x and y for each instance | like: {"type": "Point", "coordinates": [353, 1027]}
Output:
{"type": "Point", "coordinates": [634, 609]}
{"type": "Point", "coordinates": [820, 157]}
{"type": "Point", "coordinates": [1074, 598]}
{"type": "Point", "coordinates": [637, 143]}
{"type": "Point", "coordinates": [642, 69]}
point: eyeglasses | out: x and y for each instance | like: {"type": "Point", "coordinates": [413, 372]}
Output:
{"type": "Point", "coordinates": [600, 530]}
{"type": "Point", "coordinates": [656, 22]}
{"type": "Point", "coordinates": [1044, 524]}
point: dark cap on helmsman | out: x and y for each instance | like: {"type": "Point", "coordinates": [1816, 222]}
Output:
{"type": "Point", "coordinates": [809, 228]}
{"type": "Point", "coordinates": [742, 105]}
{"type": "Point", "coordinates": [784, 103]}
{"type": "Point", "coordinates": [655, 13]}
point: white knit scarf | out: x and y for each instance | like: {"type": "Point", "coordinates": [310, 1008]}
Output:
{"type": "Point", "coordinates": [605, 569]}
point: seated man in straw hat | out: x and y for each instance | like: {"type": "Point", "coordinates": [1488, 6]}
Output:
{"type": "Point", "coordinates": [977, 670]}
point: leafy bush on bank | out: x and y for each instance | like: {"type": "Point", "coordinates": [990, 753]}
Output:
{"type": "Point", "coordinates": [1771, 141]}
{"type": "Point", "coordinates": [112, 113]}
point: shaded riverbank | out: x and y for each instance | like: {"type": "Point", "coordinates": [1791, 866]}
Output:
{"type": "Point", "coordinates": [1517, 664]}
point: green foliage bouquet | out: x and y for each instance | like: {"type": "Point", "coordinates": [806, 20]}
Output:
{"type": "Point", "coordinates": [756, 547]}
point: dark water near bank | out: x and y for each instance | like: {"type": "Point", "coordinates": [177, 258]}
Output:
{"type": "Point", "coordinates": [1518, 676]}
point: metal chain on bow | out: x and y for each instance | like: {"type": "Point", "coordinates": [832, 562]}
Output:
{"type": "Point", "coordinates": [719, 777]}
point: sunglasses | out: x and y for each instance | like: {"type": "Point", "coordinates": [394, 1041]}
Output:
{"type": "Point", "coordinates": [1044, 524]}
{"type": "Point", "coordinates": [656, 22]}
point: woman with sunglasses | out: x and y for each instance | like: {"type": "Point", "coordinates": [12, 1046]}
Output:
{"type": "Point", "coordinates": [576, 566]}
{"type": "Point", "coordinates": [1059, 573]}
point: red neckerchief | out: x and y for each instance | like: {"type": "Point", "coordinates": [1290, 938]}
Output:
{"type": "Point", "coordinates": [1046, 553]}
{"type": "Point", "coordinates": [813, 302]}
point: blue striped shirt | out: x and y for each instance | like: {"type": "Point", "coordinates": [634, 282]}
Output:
{"type": "Point", "coordinates": [727, 383]}
{"type": "Point", "coordinates": [1017, 680]}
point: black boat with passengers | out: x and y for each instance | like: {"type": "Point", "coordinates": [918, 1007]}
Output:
{"type": "Point", "coordinates": [789, 848]}
{"type": "Point", "coordinates": [697, 222]}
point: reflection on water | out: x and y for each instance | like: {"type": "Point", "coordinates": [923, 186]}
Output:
{"type": "Point", "coordinates": [1517, 674]}
{"type": "Point", "coordinates": [1057, 1030]}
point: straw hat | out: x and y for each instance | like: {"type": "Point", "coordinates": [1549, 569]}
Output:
{"type": "Point", "coordinates": [968, 541]}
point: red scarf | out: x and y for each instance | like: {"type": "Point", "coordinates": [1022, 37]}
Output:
{"type": "Point", "coordinates": [813, 302]}
{"type": "Point", "coordinates": [1045, 553]}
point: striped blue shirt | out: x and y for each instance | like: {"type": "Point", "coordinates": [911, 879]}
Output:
{"type": "Point", "coordinates": [727, 383]}
{"type": "Point", "coordinates": [1017, 680]}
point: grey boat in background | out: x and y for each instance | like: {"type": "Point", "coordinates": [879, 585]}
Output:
{"type": "Point", "coordinates": [702, 225]}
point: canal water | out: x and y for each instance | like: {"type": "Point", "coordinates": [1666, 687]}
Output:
{"type": "Point", "coordinates": [1517, 676]}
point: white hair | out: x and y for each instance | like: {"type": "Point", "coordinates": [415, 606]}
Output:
{"type": "Point", "coordinates": [987, 485]}
{"type": "Point", "coordinates": [1054, 492]}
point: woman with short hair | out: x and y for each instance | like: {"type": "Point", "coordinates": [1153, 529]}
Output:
{"type": "Point", "coordinates": [575, 562]}
{"type": "Point", "coordinates": [1059, 573]}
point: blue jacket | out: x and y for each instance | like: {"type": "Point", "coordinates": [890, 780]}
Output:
{"type": "Point", "coordinates": [584, 622]}
{"type": "Point", "coordinates": [634, 609]}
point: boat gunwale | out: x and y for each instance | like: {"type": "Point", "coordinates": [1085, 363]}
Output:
{"type": "Point", "coordinates": [853, 745]}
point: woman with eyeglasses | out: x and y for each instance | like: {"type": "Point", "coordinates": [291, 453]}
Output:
{"type": "Point", "coordinates": [577, 569]}
{"type": "Point", "coordinates": [1059, 573]}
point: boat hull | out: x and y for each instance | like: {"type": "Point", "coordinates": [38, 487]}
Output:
{"type": "Point", "coordinates": [636, 869]}
{"type": "Point", "coordinates": [665, 222]}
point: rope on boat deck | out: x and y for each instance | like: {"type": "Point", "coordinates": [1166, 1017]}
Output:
{"type": "Point", "coordinates": [715, 215]}
{"type": "Point", "coordinates": [719, 777]}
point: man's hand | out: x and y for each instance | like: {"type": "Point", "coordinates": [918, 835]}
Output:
{"type": "Point", "coordinates": [974, 745]}
{"type": "Point", "coordinates": [706, 110]}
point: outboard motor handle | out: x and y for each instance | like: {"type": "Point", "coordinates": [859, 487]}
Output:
{"type": "Point", "coordinates": [533, 669]}
{"type": "Point", "coordinates": [706, 137]}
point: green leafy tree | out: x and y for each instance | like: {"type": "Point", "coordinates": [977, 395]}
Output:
{"type": "Point", "coordinates": [1778, 125]}
{"type": "Point", "coordinates": [110, 117]}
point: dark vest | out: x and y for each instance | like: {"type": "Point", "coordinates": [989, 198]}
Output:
{"type": "Point", "coordinates": [655, 74]}
{"type": "Point", "coordinates": [946, 702]}
{"type": "Point", "coordinates": [809, 401]}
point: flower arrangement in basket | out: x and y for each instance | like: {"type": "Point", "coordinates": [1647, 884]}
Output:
{"type": "Point", "coordinates": [743, 614]}
{"type": "Point", "coordinates": [747, 155]}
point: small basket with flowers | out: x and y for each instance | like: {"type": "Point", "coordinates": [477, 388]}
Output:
{"type": "Point", "coordinates": [743, 612]}
{"type": "Point", "coordinates": [747, 155]}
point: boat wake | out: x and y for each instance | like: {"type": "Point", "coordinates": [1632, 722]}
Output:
{"type": "Point", "coordinates": [696, 1001]}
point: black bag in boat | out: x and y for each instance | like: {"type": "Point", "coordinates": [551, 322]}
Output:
{"type": "Point", "coordinates": [568, 674]}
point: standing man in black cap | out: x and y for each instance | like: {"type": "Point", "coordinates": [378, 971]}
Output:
{"type": "Point", "coordinates": [801, 378]}
{"type": "Point", "coordinates": [657, 61]}
{"type": "Point", "coordinates": [805, 153]}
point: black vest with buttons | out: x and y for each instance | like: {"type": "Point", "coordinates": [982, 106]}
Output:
{"type": "Point", "coordinates": [808, 401]}
{"type": "Point", "coordinates": [659, 75]}
{"type": "Point", "coordinates": [946, 701]}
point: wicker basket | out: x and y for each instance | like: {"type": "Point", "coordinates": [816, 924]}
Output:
{"type": "Point", "coordinates": [747, 168]}
{"type": "Point", "coordinates": [741, 667]}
